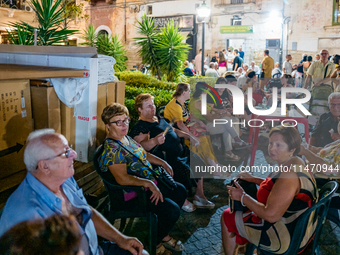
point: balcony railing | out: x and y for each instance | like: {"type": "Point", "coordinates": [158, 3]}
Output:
{"type": "Point", "coordinates": [232, 2]}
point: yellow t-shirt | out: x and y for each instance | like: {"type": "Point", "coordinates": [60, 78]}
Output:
{"type": "Point", "coordinates": [175, 111]}
{"type": "Point", "coordinates": [268, 65]}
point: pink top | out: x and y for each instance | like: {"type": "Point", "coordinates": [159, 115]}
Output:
{"type": "Point", "coordinates": [223, 64]}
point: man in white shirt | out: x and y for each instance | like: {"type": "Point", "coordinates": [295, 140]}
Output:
{"type": "Point", "coordinates": [230, 58]}
{"type": "Point", "coordinates": [287, 66]}
{"type": "Point", "coordinates": [245, 68]}
{"type": "Point", "coordinates": [255, 68]}
{"type": "Point", "coordinates": [276, 72]}
{"type": "Point", "coordinates": [320, 71]}
{"type": "Point", "coordinates": [192, 64]}
{"type": "Point", "coordinates": [211, 72]}
{"type": "Point", "coordinates": [242, 80]}
{"type": "Point", "coordinates": [225, 53]}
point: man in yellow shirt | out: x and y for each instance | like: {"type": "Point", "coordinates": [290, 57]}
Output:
{"type": "Point", "coordinates": [267, 66]}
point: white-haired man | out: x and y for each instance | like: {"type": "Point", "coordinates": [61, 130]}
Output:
{"type": "Point", "coordinates": [49, 188]}
{"type": "Point", "coordinates": [320, 71]}
{"type": "Point", "coordinates": [255, 68]}
{"type": "Point", "coordinates": [211, 72]}
{"type": "Point", "coordinates": [326, 129]}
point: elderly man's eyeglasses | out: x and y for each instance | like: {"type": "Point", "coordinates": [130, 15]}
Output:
{"type": "Point", "coordinates": [119, 123]}
{"type": "Point", "coordinates": [324, 54]}
{"type": "Point", "coordinates": [66, 153]}
{"type": "Point", "coordinates": [334, 105]}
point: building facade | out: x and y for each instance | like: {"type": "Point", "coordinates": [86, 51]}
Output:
{"type": "Point", "coordinates": [295, 27]}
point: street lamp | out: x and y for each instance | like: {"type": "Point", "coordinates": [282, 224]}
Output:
{"type": "Point", "coordinates": [203, 12]}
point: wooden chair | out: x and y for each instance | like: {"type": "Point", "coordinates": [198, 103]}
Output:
{"type": "Point", "coordinates": [320, 210]}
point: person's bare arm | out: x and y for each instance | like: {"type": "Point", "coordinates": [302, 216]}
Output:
{"type": "Point", "coordinates": [160, 162]}
{"type": "Point", "coordinates": [311, 156]}
{"type": "Point", "coordinates": [109, 232]}
{"type": "Point", "coordinates": [263, 65]}
{"type": "Point", "coordinates": [148, 144]}
{"type": "Point", "coordinates": [180, 133]}
{"type": "Point", "coordinates": [121, 176]}
{"type": "Point", "coordinates": [279, 199]}
{"type": "Point", "coordinates": [322, 81]}
{"type": "Point", "coordinates": [250, 178]}
{"type": "Point", "coordinates": [313, 141]}
{"type": "Point", "coordinates": [308, 81]}
{"type": "Point", "coordinates": [182, 126]}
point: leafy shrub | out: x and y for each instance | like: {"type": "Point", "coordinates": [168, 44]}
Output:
{"type": "Point", "coordinates": [140, 80]}
{"type": "Point", "coordinates": [208, 80]}
{"type": "Point", "coordinates": [137, 83]}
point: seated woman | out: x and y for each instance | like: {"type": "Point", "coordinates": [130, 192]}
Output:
{"type": "Point", "coordinates": [176, 111]}
{"type": "Point", "coordinates": [281, 198]}
{"type": "Point", "coordinates": [56, 235]}
{"type": "Point", "coordinates": [129, 164]}
{"type": "Point", "coordinates": [229, 133]}
{"type": "Point", "coordinates": [156, 134]}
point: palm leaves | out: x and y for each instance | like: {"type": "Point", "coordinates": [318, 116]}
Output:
{"type": "Point", "coordinates": [172, 52]}
{"type": "Point", "coordinates": [90, 36]}
{"type": "Point", "coordinates": [51, 29]}
{"type": "Point", "coordinates": [147, 44]}
{"type": "Point", "coordinates": [110, 46]}
{"type": "Point", "coordinates": [164, 51]}
{"type": "Point", "coordinates": [21, 35]}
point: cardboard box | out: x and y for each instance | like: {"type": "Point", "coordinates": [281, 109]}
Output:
{"type": "Point", "coordinates": [68, 124]}
{"type": "Point", "coordinates": [45, 108]}
{"type": "Point", "coordinates": [81, 58]}
{"type": "Point", "coordinates": [106, 96]}
{"type": "Point", "coordinates": [120, 92]}
{"type": "Point", "coordinates": [15, 124]}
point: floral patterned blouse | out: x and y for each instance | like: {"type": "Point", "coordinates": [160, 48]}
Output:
{"type": "Point", "coordinates": [115, 152]}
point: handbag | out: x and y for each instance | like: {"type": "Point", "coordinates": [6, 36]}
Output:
{"type": "Point", "coordinates": [248, 187]}
{"type": "Point", "coordinates": [162, 176]}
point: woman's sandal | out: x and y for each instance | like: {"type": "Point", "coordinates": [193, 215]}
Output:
{"type": "Point", "coordinates": [241, 145]}
{"type": "Point", "coordinates": [173, 245]}
{"type": "Point", "coordinates": [203, 203]}
{"type": "Point", "coordinates": [161, 250]}
{"type": "Point", "coordinates": [231, 157]}
{"type": "Point", "coordinates": [189, 207]}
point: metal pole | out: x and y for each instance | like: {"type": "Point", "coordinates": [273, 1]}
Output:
{"type": "Point", "coordinates": [35, 36]}
{"type": "Point", "coordinates": [124, 21]}
{"type": "Point", "coordinates": [203, 28]}
{"type": "Point", "coordinates": [282, 25]}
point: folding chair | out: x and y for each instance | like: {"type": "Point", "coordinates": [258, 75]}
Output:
{"type": "Point", "coordinates": [320, 210]}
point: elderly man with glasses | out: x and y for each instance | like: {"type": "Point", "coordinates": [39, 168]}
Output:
{"type": "Point", "coordinates": [320, 71]}
{"type": "Point", "coordinates": [327, 130]}
{"type": "Point", "coordinates": [49, 188]}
